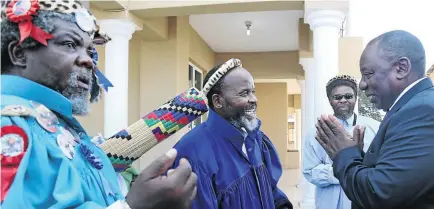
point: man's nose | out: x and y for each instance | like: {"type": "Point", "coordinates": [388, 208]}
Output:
{"type": "Point", "coordinates": [85, 61]}
{"type": "Point", "coordinates": [253, 99]}
{"type": "Point", "coordinates": [362, 85]}
{"type": "Point", "coordinates": [343, 100]}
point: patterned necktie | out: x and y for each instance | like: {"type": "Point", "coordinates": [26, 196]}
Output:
{"type": "Point", "coordinates": [243, 148]}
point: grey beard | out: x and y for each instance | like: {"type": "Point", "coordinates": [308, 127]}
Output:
{"type": "Point", "coordinates": [79, 97]}
{"type": "Point", "coordinates": [244, 122]}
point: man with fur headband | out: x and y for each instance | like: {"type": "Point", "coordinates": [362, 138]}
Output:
{"type": "Point", "coordinates": [47, 159]}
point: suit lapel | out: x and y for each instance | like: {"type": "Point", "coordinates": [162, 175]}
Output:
{"type": "Point", "coordinates": [421, 86]}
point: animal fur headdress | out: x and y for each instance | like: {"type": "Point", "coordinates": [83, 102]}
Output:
{"type": "Point", "coordinates": [223, 69]}
{"type": "Point", "coordinates": [23, 13]}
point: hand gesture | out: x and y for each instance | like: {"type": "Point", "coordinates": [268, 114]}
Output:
{"type": "Point", "coordinates": [359, 135]}
{"type": "Point", "coordinates": [151, 190]}
{"type": "Point", "coordinates": [332, 135]}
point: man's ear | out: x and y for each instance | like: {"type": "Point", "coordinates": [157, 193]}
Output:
{"type": "Point", "coordinates": [402, 68]}
{"type": "Point", "coordinates": [217, 101]}
{"type": "Point", "coordinates": [16, 54]}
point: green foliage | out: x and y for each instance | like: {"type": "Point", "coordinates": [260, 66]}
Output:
{"type": "Point", "coordinates": [366, 108]}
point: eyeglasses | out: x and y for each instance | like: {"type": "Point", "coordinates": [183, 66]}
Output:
{"type": "Point", "coordinates": [346, 96]}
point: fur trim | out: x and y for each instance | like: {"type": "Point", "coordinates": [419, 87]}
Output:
{"type": "Point", "coordinates": [230, 64]}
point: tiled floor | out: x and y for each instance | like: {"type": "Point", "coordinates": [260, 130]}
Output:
{"type": "Point", "coordinates": [288, 184]}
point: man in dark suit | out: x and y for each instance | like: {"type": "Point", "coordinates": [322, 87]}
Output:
{"type": "Point", "coordinates": [397, 171]}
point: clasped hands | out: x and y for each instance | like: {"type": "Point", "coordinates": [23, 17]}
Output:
{"type": "Point", "coordinates": [332, 136]}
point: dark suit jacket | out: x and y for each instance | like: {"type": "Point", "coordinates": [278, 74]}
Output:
{"type": "Point", "coordinates": [398, 169]}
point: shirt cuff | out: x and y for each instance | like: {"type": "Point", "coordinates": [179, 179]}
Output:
{"type": "Point", "coordinates": [120, 204]}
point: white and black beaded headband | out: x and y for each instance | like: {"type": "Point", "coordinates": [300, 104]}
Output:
{"type": "Point", "coordinates": [223, 69]}
{"type": "Point", "coordinates": [342, 77]}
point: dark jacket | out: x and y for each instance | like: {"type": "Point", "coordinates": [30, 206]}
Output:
{"type": "Point", "coordinates": [398, 169]}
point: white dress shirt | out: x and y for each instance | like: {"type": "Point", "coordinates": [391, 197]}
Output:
{"type": "Point", "coordinates": [243, 148]}
{"type": "Point", "coordinates": [405, 91]}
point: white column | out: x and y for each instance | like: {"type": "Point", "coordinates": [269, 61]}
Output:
{"type": "Point", "coordinates": [325, 25]}
{"type": "Point", "coordinates": [116, 70]}
{"type": "Point", "coordinates": [309, 67]}
{"type": "Point", "coordinates": [302, 84]}
{"type": "Point", "coordinates": [297, 127]}
{"type": "Point", "coordinates": [308, 99]}
{"type": "Point", "coordinates": [350, 29]}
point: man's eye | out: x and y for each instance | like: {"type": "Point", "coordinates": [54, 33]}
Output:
{"type": "Point", "coordinates": [367, 75]}
{"type": "Point", "coordinates": [90, 52]}
{"type": "Point", "coordinates": [70, 44]}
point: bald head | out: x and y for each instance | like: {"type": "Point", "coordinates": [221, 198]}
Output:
{"type": "Point", "coordinates": [393, 45]}
{"type": "Point", "coordinates": [390, 63]}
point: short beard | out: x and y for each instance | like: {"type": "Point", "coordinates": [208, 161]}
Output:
{"type": "Point", "coordinates": [243, 122]}
{"type": "Point", "coordinates": [240, 120]}
{"type": "Point", "coordinates": [79, 97]}
{"type": "Point", "coordinates": [344, 115]}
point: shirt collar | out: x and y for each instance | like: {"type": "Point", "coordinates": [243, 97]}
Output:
{"type": "Point", "coordinates": [350, 120]}
{"type": "Point", "coordinates": [244, 132]}
{"type": "Point", "coordinates": [405, 91]}
{"type": "Point", "coordinates": [27, 89]}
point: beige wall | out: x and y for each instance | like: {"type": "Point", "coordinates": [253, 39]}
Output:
{"type": "Point", "coordinates": [146, 8]}
{"type": "Point", "coordinates": [201, 54]}
{"type": "Point", "coordinates": [297, 101]}
{"type": "Point", "coordinates": [305, 39]}
{"type": "Point", "coordinates": [134, 80]}
{"type": "Point", "coordinates": [294, 101]}
{"type": "Point", "coordinates": [273, 112]}
{"type": "Point", "coordinates": [350, 50]}
{"type": "Point", "coordinates": [267, 65]}
{"type": "Point", "coordinates": [94, 122]}
{"type": "Point", "coordinates": [291, 100]}
{"type": "Point", "coordinates": [177, 8]}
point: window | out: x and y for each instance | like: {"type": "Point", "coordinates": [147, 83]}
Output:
{"type": "Point", "coordinates": [195, 78]}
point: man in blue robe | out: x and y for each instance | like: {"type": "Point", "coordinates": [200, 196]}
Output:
{"type": "Point", "coordinates": [47, 159]}
{"type": "Point", "coordinates": [236, 163]}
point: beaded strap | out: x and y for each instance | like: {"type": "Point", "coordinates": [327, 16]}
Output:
{"type": "Point", "coordinates": [130, 144]}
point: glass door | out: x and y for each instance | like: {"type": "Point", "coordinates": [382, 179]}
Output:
{"type": "Point", "coordinates": [195, 78]}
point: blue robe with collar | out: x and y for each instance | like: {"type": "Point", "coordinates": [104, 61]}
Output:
{"type": "Point", "coordinates": [45, 177]}
{"type": "Point", "coordinates": [227, 178]}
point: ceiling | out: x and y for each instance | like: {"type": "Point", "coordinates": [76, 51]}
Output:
{"type": "Point", "coordinates": [270, 31]}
